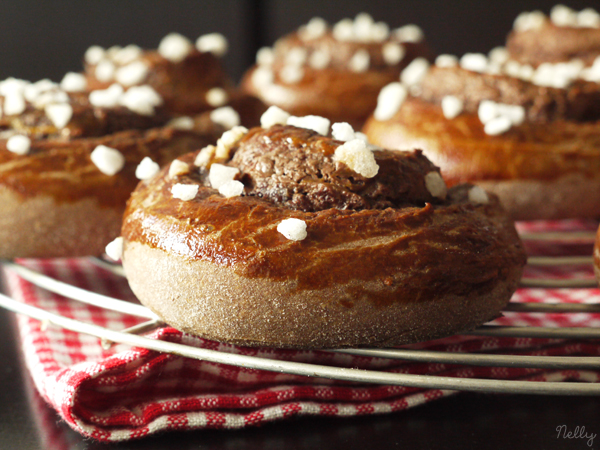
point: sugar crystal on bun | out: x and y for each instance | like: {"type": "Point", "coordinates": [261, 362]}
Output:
{"type": "Point", "coordinates": [18, 144]}
{"type": "Point", "coordinates": [108, 160]}
{"type": "Point", "coordinates": [146, 169]}
{"type": "Point", "coordinates": [178, 167]}
{"type": "Point", "coordinates": [293, 229]}
{"type": "Point", "coordinates": [175, 47]}
{"type": "Point", "coordinates": [114, 249]}
{"type": "Point", "coordinates": [435, 185]}
{"type": "Point", "coordinates": [315, 123]}
{"type": "Point", "coordinates": [357, 157]}
{"type": "Point", "coordinates": [273, 116]}
{"type": "Point", "coordinates": [185, 192]}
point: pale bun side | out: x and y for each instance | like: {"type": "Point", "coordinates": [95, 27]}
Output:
{"type": "Point", "coordinates": [570, 196]}
{"type": "Point", "coordinates": [212, 301]}
{"type": "Point", "coordinates": [534, 181]}
{"type": "Point", "coordinates": [39, 226]}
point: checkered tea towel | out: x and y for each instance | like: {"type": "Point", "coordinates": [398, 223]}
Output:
{"type": "Point", "coordinates": [125, 393]}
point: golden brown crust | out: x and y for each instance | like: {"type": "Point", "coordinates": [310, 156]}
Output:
{"type": "Point", "coordinates": [554, 44]}
{"type": "Point", "coordinates": [41, 227]}
{"type": "Point", "coordinates": [57, 197]}
{"type": "Point", "coordinates": [540, 170]}
{"type": "Point", "coordinates": [361, 277]}
{"type": "Point", "coordinates": [183, 85]}
{"type": "Point", "coordinates": [335, 91]}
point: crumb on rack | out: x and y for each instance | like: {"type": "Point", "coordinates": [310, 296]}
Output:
{"type": "Point", "coordinates": [114, 249]}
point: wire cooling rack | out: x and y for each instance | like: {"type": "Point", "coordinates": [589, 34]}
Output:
{"type": "Point", "coordinates": [131, 336]}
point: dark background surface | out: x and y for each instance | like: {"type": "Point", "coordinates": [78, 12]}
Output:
{"type": "Point", "coordinates": [46, 39]}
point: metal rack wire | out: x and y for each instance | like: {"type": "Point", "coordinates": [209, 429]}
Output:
{"type": "Point", "coordinates": [132, 336]}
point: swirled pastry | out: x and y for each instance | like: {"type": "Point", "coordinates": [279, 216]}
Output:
{"type": "Point", "coordinates": [334, 71]}
{"type": "Point", "coordinates": [281, 236]}
{"type": "Point", "coordinates": [522, 123]}
{"type": "Point", "coordinates": [68, 161]}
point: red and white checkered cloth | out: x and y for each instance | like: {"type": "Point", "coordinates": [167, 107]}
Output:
{"type": "Point", "coordinates": [125, 393]}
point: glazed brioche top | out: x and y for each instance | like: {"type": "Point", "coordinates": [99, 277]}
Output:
{"type": "Point", "coordinates": [549, 72]}
{"type": "Point", "coordinates": [334, 71]}
{"type": "Point", "coordinates": [295, 168]}
{"type": "Point", "coordinates": [45, 109]}
{"type": "Point", "coordinates": [72, 145]}
{"type": "Point", "coordinates": [579, 102]}
{"type": "Point", "coordinates": [83, 119]}
{"type": "Point", "coordinates": [66, 170]}
{"type": "Point", "coordinates": [383, 221]}
{"type": "Point", "coordinates": [561, 37]}
{"type": "Point", "coordinates": [327, 51]}
{"type": "Point", "coordinates": [184, 86]}
{"type": "Point", "coordinates": [190, 79]}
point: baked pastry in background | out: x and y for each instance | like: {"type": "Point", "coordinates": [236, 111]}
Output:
{"type": "Point", "coordinates": [522, 122]}
{"type": "Point", "coordinates": [283, 237]}
{"type": "Point", "coordinates": [69, 160]}
{"type": "Point", "coordinates": [188, 77]}
{"type": "Point", "coordinates": [334, 71]}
